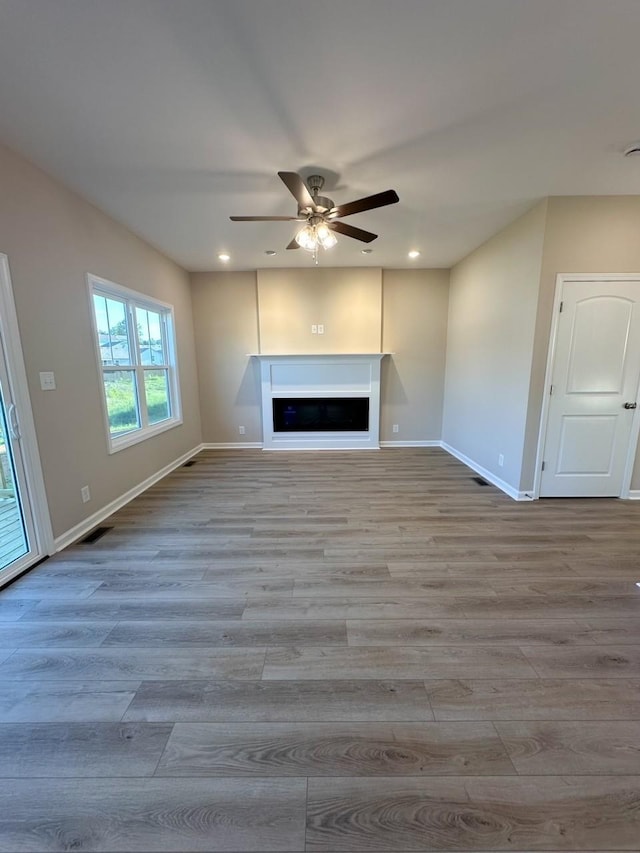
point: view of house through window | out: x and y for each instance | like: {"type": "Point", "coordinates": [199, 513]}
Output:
{"type": "Point", "coordinates": [136, 351]}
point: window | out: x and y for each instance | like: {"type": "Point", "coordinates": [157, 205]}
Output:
{"type": "Point", "coordinates": [136, 351]}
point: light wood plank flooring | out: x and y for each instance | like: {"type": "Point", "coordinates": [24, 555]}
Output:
{"type": "Point", "coordinates": [327, 652]}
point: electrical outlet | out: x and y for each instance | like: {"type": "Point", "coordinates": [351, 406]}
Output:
{"type": "Point", "coordinates": [241, 430]}
{"type": "Point", "coordinates": [86, 494]}
{"type": "Point", "coordinates": [320, 329]}
{"type": "Point", "coordinates": [314, 329]}
{"type": "Point", "coordinates": [396, 428]}
{"type": "Point", "coordinates": [501, 460]}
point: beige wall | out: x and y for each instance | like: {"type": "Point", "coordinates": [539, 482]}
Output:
{"type": "Point", "coordinates": [409, 314]}
{"type": "Point", "coordinates": [414, 313]}
{"type": "Point", "coordinates": [492, 310]}
{"type": "Point", "coordinates": [583, 235]}
{"type": "Point", "coordinates": [53, 239]}
{"type": "Point", "coordinates": [347, 302]}
{"type": "Point", "coordinates": [226, 331]}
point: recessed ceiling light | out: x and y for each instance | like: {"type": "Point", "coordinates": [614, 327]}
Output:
{"type": "Point", "coordinates": [270, 252]}
{"type": "Point", "coordinates": [366, 251]}
{"type": "Point", "coordinates": [632, 150]}
{"type": "Point", "coordinates": [224, 257]}
{"type": "Point", "coordinates": [414, 253]}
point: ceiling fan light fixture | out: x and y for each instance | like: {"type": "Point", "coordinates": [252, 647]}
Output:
{"type": "Point", "coordinates": [306, 238]}
{"type": "Point", "coordinates": [325, 236]}
{"type": "Point", "coordinates": [314, 235]}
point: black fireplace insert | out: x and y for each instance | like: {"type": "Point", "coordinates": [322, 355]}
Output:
{"type": "Point", "coordinates": [324, 414]}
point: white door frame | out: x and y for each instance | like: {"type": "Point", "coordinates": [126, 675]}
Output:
{"type": "Point", "coordinates": [36, 494]}
{"type": "Point", "coordinates": [561, 278]}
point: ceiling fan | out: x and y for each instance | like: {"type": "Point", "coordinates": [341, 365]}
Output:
{"type": "Point", "coordinates": [320, 214]}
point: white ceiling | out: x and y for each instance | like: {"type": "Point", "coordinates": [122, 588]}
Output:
{"type": "Point", "coordinates": [173, 114]}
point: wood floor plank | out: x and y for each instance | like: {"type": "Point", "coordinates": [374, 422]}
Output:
{"type": "Point", "coordinates": [285, 701]}
{"type": "Point", "coordinates": [428, 632]}
{"type": "Point", "coordinates": [152, 590]}
{"type": "Point", "coordinates": [489, 570]}
{"type": "Point", "coordinates": [585, 747]}
{"type": "Point", "coordinates": [121, 664]}
{"type": "Point", "coordinates": [58, 750]}
{"type": "Point", "coordinates": [433, 589]}
{"type": "Point", "coordinates": [559, 607]}
{"type": "Point", "coordinates": [321, 749]}
{"type": "Point", "coordinates": [226, 634]}
{"type": "Point", "coordinates": [476, 814]}
{"type": "Point", "coordinates": [12, 610]}
{"type": "Point", "coordinates": [47, 701]}
{"type": "Point", "coordinates": [535, 699]}
{"type": "Point", "coordinates": [395, 662]}
{"type": "Point", "coordinates": [585, 662]}
{"type": "Point", "coordinates": [134, 572]}
{"type": "Point", "coordinates": [128, 608]}
{"type": "Point", "coordinates": [612, 631]}
{"type": "Point", "coordinates": [54, 634]}
{"type": "Point", "coordinates": [168, 815]}
{"type": "Point", "coordinates": [308, 569]}
{"type": "Point", "coordinates": [352, 608]}
{"type": "Point", "coordinates": [34, 587]}
{"type": "Point", "coordinates": [564, 586]}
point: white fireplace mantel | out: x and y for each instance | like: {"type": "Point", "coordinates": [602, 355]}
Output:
{"type": "Point", "coordinates": [316, 376]}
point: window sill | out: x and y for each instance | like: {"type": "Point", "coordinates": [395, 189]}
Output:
{"type": "Point", "coordinates": [139, 435]}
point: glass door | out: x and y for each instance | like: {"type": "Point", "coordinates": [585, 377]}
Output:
{"type": "Point", "coordinates": [17, 546]}
{"type": "Point", "coordinates": [25, 530]}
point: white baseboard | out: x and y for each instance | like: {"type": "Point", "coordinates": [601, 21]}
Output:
{"type": "Point", "coordinates": [487, 475]}
{"type": "Point", "coordinates": [87, 524]}
{"type": "Point", "coordinates": [633, 495]}
{"type": "Point", "coordinates": [232, 445]}
{"type": "Point", "coordinates": [410, 444]}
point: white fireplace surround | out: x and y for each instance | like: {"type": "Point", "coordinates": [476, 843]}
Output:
{"type": "Point", "coordinates": [334, 375]}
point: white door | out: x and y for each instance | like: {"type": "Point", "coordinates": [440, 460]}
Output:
{"type": "Point", "coordinates": [594, 389]}
{"type": "Point", "coordinates": [22, 540]}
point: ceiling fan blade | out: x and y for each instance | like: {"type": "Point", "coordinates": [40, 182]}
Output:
{"type": "Point", "coordinates": [266, 218]}
{"type": "Point", "coordinates": [350, 231]}
{"type": "Point", "coordinates": [293, 244]}
{"type": "Point", "coordinates": [362, 204]}
{"type": "Point", "coordinates": [297, 188]}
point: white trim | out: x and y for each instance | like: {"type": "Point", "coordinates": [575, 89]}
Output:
{"type": "Point", "coordinates": [633, 495]}
{"type": "Point", "coordinates": [232, 445]}
{"type": "Point", "coordinates": [316, 449]}
{"type": "Point", "coordinates": [561, 278]}
{"type": "Point", "coordinates": [410, 444]}
{"type": "Point", "coordinates": [87, 524]}
{"type": "Point", "coordinates": [33, 468]}
{"type": "Point", "coordinates": [106, 288]}
{"type": "Point", "coordinates": [318, 375]}
{"type": "Point", "coordinates": [488, 475]}
{"type": "Point", "coordinates": [111, 287]}
{"type": "Point", "coordinates": [129, 439]}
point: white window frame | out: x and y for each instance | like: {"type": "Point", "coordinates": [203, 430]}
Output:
{"type": "Point", "coordinates": [133, 299]}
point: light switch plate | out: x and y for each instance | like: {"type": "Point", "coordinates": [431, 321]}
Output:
{"type": "Point", "coordinates": [47, 381]}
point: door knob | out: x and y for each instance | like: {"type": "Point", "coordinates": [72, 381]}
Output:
{"type": "Point", "coordinates": [630, 405]}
